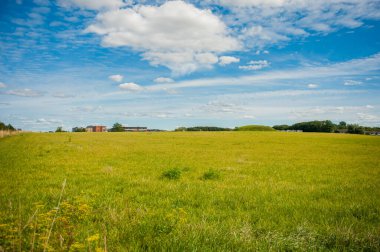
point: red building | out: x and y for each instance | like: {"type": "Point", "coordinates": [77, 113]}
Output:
{"type": "Point", "coordinates": [96, 128]}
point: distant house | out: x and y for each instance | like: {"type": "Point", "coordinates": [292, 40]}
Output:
{"type": "Point", "coordinates": [372, 133]}
{"type": "Point", "coordinates": [96, 128]}
{"type": "Point", "coordinates": [135, 129]}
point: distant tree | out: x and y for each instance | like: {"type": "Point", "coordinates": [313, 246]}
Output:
{"type": "Point", "coordinates": [6, 127]}
{"type": "Point", "coordinates": [377, 129]}
{"type": "Point", "coordinates": [181, 129]}
{"type": "Point", "coordinates": [328, 126]}
{"type": "Point", "coordinates": [314, 126]}
{"type": "Point", "coordinates": [281, 127]}
{"type": "Point", "coordinates": [59, 129]}
{"type": "Point", "coordinates": [254, 128]}
{"type": "Point", "coordinates": [117, 127]}
{"type": "Point", "coordinates": [79, 129]}
{"type": "Point", "coordinates": [202, 128]}
{"type": "Point", "coordinates": [342, 125]}
{"type": "Point", "coordinates": [10, 127]}
{"type": "Point", "coordinates": [355, 129]}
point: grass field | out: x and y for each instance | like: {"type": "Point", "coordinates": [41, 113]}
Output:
{"type": "Point", "coordinates": [189, 191]}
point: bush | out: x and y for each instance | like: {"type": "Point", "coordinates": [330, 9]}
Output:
{"type": "Point", "coordinates": [254, 128]}
{"type": "Point", "coordinates": [211, 175]}
{"type": "Point", "coordinates": [172, 174]}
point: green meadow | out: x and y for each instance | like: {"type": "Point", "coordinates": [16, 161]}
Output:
{"type": "Point", "coordinates": [189, 191]}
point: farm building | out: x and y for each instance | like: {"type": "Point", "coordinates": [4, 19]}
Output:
{"type": "Point", "coordinates": [135, 129]}
{"type": "Point", "coordinates": [96, 128]}
{"type": "Point", "coordinates": [372, 133]}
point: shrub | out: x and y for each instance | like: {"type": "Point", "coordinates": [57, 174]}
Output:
{"type": "Point", "coordinates": [172, 174]}
{"type": "Point", "coordinates": [254, 128]}
{"type": "Point", "coordinates": [211, 175]}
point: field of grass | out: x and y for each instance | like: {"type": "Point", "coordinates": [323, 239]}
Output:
{"type": "Point", "coordinates": [189, 191]}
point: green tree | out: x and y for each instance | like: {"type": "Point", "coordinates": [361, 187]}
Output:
{"type": "Point", "coordinates": [181, 129]}
{"type": "Point", "coordinates": [117, 127]}
{"type": "Point", "coordinates": [281, 127]}
{"type": "Point", "coordinates": [355, 129]}
{"type": "Point", "coordinates": [59, 129]}
{"type": "Point", "coordinates": [79, 129]}
{"type": "Point", "coordinates": [10, 127]}
{"type": "Point", "coordinates": [342, 125]}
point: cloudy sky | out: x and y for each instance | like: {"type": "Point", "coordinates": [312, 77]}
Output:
{"type": "Point", "coordinates": [165, 64]}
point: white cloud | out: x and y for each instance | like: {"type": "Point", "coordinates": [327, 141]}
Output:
{"type": "Point", "coordinates": [269, 22]}
{"type": "Point", "coordinates": [130, 86]}
{"type": "Point", "coordinates": [62, 95]}
{"type": "Point", "coordinates": [92, 4]}
{"type": "Point", "coordinates": [312, 85]}
{"type": "Point", "coordinates": [226, 60]}
{"type": "Point", "coordinates": [163, 80]}
{"type": "Point", "coordinates": [2, 85]}
{"type": "Point", "coordinates": [354, 67]}
{"type": "Point", "coordinates": [259, 36]}
{"type": "Point", "coordinates": [87, 109]}
{"type": "Point", "coordinates": [369, 106]}
{"type": "Point", "coordinates": [26, 92]}
{"type": "Point", "coordinates": [368, 117]}
{"type": "Point", "coordinates": [248, 117]}
{"type": "Point", "coordinates": [48, 121]}
{"type": "Point", "coordinates": [352, 83]}
{"type": "Point", "coordinates": [221, 107]}
{"type": "Point", "coordinates": [255, 65]}
{"type": "Point", "coordinates": [116, 77]}
{"type": "Point", "coordinates": [176, 34]}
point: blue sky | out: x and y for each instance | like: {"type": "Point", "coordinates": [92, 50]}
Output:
{"type": "Point", "coordinates": [165, 64]}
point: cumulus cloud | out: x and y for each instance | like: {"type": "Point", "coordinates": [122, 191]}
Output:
{"type": "Point", "coordinates": [176, 34]}
{"type": "Point", "coordinates": [163, 80]}
{"type": "Point", "coordinates": [311, 85]}
{"type": "Point", "coordinates": [116, 77]}
{"type": "Point", "coordinates": [2, 85]}
{"type": "Point", "coordinates": [26, 92]}
{"type": "Point", "coordinates": [255, 65]}
{"type": "Point", "coordinates": [92, 4]}
{"type": "Point", "coordinates": [226, 60]}
{"type": "Point", "coordinates": [352, 83]}
{"type": "Point", "coordinates": [130, 86]}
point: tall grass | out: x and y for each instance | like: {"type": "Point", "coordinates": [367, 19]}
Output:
{"type": "Point", "coordinates": [237, 191]}
{"type": "Point", "coordinates": [5, 133]}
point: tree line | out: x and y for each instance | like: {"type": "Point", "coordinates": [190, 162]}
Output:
{"type": "Point", "coordinates": [3, 126]}
{"type": "Point", "coordinates": [328, 126]}
{"type": "Point", "coordinates": [202, 128]}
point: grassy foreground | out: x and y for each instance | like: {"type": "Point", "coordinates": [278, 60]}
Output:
{"type": "Point", "coordinates": [189, 191]}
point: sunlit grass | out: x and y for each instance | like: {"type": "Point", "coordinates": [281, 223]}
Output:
{"type": "Point", "coordinates": [234, 191]}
